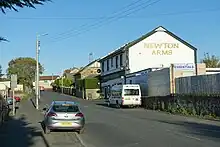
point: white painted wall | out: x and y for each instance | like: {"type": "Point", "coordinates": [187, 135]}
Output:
{"type": "Point", "coordinates": [140, 55]}
{"type": "Point", "coordinates": [112, 67]}
{"type": "Point", "coordinates": [5, 84]}
{"type": "Point", "coordinates": [95, 64]}
{"type": "Point", "coordinates": [45, 83]}
{"type": "Point", "coordinates": [210, 71]}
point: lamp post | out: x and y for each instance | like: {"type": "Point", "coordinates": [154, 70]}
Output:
{"type": "Point", "coordinates": [37, 69]}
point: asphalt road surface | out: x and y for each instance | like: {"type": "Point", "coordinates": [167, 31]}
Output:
{"type": "Point", "coordinates": [110, 127]}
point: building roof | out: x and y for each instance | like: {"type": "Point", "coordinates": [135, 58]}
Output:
{"type": "Point", "coordinates": [91, 76]}
{"type": "Point", "coordinates": [97, 60]}
{"type": "Point", "coordinates": [49, 77]}
{"type": "Point", "coordinates": [132, 43]}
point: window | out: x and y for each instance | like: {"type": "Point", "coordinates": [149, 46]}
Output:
{"type": "Point", "coordinates": [107, 64]}
{"type": "Point", "coordinates": [131, 92]}
{"type": "Point", "coordinates": [112, 62]}
{"type": "Point", "coordinates": [65, 108]}
{"type": "Point", "coordinates": [103, 66]}
{"type": "Point", "coordinates": [116, 62]}
{"type": "Point", "coordinates": [121, 60]}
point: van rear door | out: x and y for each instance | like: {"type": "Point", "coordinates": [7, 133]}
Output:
{"type": "Point", "coordinates": [131, 95]}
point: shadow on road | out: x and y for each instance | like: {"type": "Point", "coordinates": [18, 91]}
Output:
{"type": "Point", "coordinates": [18, 132]}
{"type": "Point", "coordinates": [199, 129]}
{"type": "Point", "coordinates": [114, 107]}
{"type": "Point", "coordinates": [33, 103]}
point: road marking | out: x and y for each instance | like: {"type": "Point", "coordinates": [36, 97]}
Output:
{"type": "Point", "coordinates": [80, 139]}
{"type": "Point", "coordinates": [187, 136]}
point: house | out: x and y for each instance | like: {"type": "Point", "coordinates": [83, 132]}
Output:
{"type": "Point", "coordinates": [157, 49]}
{"type": "Point", "coordinates": [212, 71]}
{"type": "Point", "coordinates": [45, 81]}
{"type": "Point", "coordinates": [87, 81]}
{"type": "Point", "coordinates": [69, 73]}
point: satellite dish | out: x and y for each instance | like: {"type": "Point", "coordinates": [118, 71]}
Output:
{"type": "Point", "coordinates": [98, 70]}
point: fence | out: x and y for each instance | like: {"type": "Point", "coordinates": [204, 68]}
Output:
{"type": "Point", "coordinates": [194, 95]}
{"type": "Point", "coordinates": [199, 85]}
{"type": "Point", "coordinates": [65, 90]}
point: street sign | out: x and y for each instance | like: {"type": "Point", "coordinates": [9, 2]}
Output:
{"type": "Point", "coordinates": [184, 66]}
{"type": "Point", "coordinates": [13, 81]}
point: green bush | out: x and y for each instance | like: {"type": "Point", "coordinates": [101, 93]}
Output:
{"type": "Point", "coordinates": [65, 82]}
{"type": "Point", "coordinates": [194, 105]}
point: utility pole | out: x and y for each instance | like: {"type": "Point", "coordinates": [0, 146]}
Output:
{"type": "Point", "coordinates": [37, 72]}
{"type": "Point", "coordinates": [37, 69]}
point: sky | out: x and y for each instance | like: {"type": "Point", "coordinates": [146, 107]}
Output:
{"type": "Point", "coordinates": [76, 28]}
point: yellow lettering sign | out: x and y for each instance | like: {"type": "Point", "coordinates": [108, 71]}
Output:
{"type": "Point", "coordinates": [162, 52]}
{"type": "Point", "coordinates": [161, 45]}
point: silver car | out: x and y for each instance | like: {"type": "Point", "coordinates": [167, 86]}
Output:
{"type": "Point", "coordinates": [64, 115]}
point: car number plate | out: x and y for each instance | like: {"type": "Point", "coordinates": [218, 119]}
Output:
{"type": "Point", "coordinates": [127, 98]}
{"type": "Point", "coordinates": [66, 124]}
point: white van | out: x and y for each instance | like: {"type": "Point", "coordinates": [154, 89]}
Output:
{"type": "Point", "coordinates": [125, 95]}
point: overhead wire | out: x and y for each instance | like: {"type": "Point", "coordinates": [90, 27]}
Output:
{"type": "Point", "coordinates": [104, 18]}
{"type": "Point", "coordinates": [115, 18]}
{"type": "Point", "coordinates": [134, 17]}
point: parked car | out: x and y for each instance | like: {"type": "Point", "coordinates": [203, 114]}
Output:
{"type": "Point", "coordinates": [41, 88]}
{"type": "Point", "coordinates": [63, 115]}
{"type": "Point", "coordinates": [17, 98]}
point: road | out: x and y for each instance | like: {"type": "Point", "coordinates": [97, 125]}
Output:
{"type": "Point", "coordinates": [110, 127]}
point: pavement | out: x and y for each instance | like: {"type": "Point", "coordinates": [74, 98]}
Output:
{"type": "Point", "coordinates": [110, 127]}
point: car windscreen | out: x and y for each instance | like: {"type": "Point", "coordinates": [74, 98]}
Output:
{"type": "Point", "coordinates": [128, 92]}
{"type": "Point", "coordinates": [65, 108]}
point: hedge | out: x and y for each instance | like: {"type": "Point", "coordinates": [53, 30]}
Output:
{"type": "Point", "coordinates": [89, 83]}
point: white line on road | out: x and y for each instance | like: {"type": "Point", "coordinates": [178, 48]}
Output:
{"type": "Point", "coordinates": [80, 139]}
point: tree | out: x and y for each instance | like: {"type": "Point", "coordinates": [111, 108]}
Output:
{"type": "Point", "coordinates": [63, 82]}
{"type": "Point", "coordinates": [25, 68]}
{"type": "Point", "coordinates": [211, 61]}
{"type": "Point", "coordinates": [12, 4]}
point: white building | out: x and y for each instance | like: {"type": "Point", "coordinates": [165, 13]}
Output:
{"type": "Point", "coordinates": [158, 48]}
{"type": "Point", "coordinates": [212, 71]}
